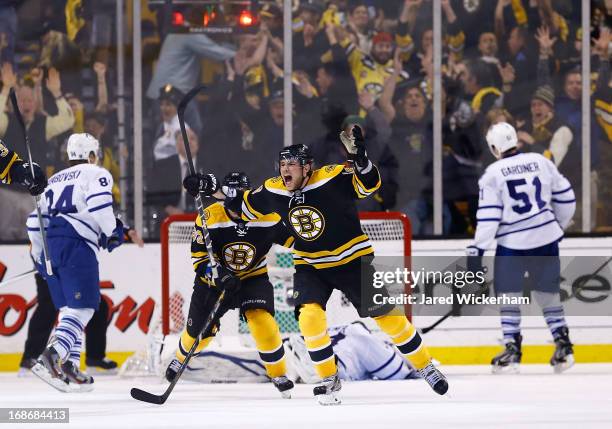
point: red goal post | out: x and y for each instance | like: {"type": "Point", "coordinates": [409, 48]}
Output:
{"type": "Point", "coordinates": [389, 232]}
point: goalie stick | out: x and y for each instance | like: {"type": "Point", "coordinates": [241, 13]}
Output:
{"type": "Point", "coordinates": [142, 395]}
{"type": "Point", "coordinates": [26, 139]}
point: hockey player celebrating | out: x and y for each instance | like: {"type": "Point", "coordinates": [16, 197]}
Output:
{"type": "Point", "coordinates": [330, 251]}
{"type": "Point", "coordinates": [13, 169]}
{"type": "Point", "coordinates": [79, 220]}
{"type": "Point", "coordinates": [241, 248]}
{"type": "Point", "coordinates": [525, 204]}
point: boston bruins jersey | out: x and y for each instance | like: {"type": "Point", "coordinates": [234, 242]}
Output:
{"type": "Point", "coordinates": [322, 216]}
{"type": "Point", "coordinates": [239, 246]}
{"type": "Point", "coordinates": [7, 159]}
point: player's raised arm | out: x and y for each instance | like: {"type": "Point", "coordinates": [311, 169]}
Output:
{"type": "Point", "coordinates": [366, 179]}
{"type": "Point", "coordinates": [13, 169]}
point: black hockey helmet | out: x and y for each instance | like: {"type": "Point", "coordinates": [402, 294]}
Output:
{"type": "Point", "coordinates": [301, 152]}
{"type": "Point", "coordinates": [236, 180]}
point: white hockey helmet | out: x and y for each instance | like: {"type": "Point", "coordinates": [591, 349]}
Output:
{"type": "Point", "coordinates": [501, 137]}
{"type": "Point", "coordinates": [81, 145]}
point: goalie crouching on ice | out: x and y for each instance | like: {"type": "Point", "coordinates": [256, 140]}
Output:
{"type": "Point", "coordinates": [241, 248]}
{"type": "Point", "coordinates": [330, 252]}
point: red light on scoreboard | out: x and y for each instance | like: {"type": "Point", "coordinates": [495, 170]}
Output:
{"type": "Point", "coordinates": [246, 18]}
{"type": "Point", "coordinates": [177, 18]}
{"type": "Point", "coordinates": [208, 17]}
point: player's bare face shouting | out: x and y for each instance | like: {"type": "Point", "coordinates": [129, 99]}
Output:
{"type": "Point", "coordinates": [293, 173]}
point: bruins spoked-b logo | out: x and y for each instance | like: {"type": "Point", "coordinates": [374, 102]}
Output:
{"type": "Point", "coordinates": [238, 256]}
{"type": "Point", "coordinates": [307, 221]}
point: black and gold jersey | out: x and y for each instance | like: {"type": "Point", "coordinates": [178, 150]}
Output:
{"type": "Point", "coordinates": [239, 246]}
{"type": "Point", "coordinates": [7, 159]}
{"type": "Point", "coordinates": [322, 216]}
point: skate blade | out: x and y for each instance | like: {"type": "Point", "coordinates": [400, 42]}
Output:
{"type": "Point", "coordinates": [564, 366]}
{"type": "Point", "coordinates": [24, 372]}
{"type": "Point", "coordinates": [330, 399]}
{"type": "Point", "coordinates": [513, 368]}
{"type": "Point", "coordinates": [43, 373]}
{"type": "Point", "coordinates": [80, 388]}
{"type": "Point", "coordinates": [286, 394]}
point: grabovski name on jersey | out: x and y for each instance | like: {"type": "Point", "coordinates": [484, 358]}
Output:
{"type": "Point", "coordinates": [82, 196]}
{"type": "Point", "coordinates": [525, 203]}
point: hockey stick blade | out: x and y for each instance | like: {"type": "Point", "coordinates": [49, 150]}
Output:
{"type": "Point", "coordinates": [143, 396]}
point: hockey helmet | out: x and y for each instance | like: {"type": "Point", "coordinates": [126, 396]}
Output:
{"type": "Point", "coordinates": [501, 138]}
{"type": "Point", "coordinates": [299, 152]}
{"type": "Point", "coordinates": [235, 180]}
{"type": "Point", "coordinates": [81, 145]}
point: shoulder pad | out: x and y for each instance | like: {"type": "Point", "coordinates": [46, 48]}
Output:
{"type": "Point", "coordinates": [273, 183]}
{"type": "Point", "coordinates": [215, 213]}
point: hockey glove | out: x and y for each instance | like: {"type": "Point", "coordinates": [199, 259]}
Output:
{"type": "Point", "coordinates": [474, 260]}
{"type": "Point", "coordinates": [21, 173]}
{"type": "Point", "coordinates": [355, 146]}
{"type": "Point", "coordinates": [225, 281]}
{"type": "Point", "coordinates": [206, 184]}
{"type": "Point", "coordinates": [115, 240]}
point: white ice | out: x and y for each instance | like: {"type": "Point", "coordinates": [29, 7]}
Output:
{"type": "Point", "coordinates": [536, 398]}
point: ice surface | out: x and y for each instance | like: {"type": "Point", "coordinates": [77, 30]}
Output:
{"type": "Point", "coordinates": [536, 398]}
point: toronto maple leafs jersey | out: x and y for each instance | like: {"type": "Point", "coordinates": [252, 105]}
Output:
{"type": "Point", "coordinates": [525, 203]}
{"type": "Point", "coordinates": [80, 195]}
{"type": "Point", "coordinates": [362, 356]}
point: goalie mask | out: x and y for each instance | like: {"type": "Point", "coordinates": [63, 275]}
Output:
{"type": "Point", "coordinates": [81, 145]}
{"type": "Point", "coordinates": [235, 181]}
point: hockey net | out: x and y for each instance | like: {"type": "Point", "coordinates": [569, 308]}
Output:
{"type": "Point", "coordinates": [389, 233]}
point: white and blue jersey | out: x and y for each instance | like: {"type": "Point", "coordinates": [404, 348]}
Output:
{"type": "Point", "coordinates": [525, 203]}
{"type": "Point", "coordinates": [362, 356]}
{"type": "Point", "coordinates": [81, 196]}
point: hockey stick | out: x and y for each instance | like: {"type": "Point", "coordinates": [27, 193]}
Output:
{"type": "Point", "coordinates": [17, 278]}
{"type": "Point", "coordinates": [142, 395]}
{"type": "Point", "coordinates": [573, 294]}
{"type": "Point", "coordinates": [26, 139]}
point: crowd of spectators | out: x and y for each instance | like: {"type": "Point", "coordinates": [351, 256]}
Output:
{"type": "Point", "coordinates": [355, 62]}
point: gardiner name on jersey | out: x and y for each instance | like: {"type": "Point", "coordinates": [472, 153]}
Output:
{"type": "Point", "coordinates": [525, 203]}
{"type": "Point", "coordinates": [240, 246]}
{"type": "Point", "coordinates": [322, 216]}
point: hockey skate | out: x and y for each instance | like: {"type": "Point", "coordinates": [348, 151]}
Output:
{"type": "Point", "coordinates": [103, 366]}
{"type": "Point", "coordinates": [508, 361]}
{"type": "Point", "coordinates": [434, 378]}
{"type": "Point", "coordinates": [48, 368]}
{"type": "Point", "coordinates": [284, 386]}
{"type": "Point", "coordinates": [172, 369]}
{"type": "Point", "coordinates": [326, 391]}
{"type": "Point", "coordinates": [78, 381]}
{"type": "Point", "coordinates": [563, 358]}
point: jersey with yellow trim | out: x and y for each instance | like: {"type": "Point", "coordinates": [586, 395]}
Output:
{"type": "Point", "coordinates": [369, 74]}
{"type": "Point", "coordinates": [7, 159]}
{"type": "Point", "coordinates": [322, 216]}
{"type": "Point", "coordinates": [239, 246]}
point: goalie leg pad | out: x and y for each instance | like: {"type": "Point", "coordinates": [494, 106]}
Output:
{"type": "Point", "coordinates": [313, 326]}
{"type": "Point", "coordinates": [266, 334]}
{"type": "Point", "coordinates": [406, 338]}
